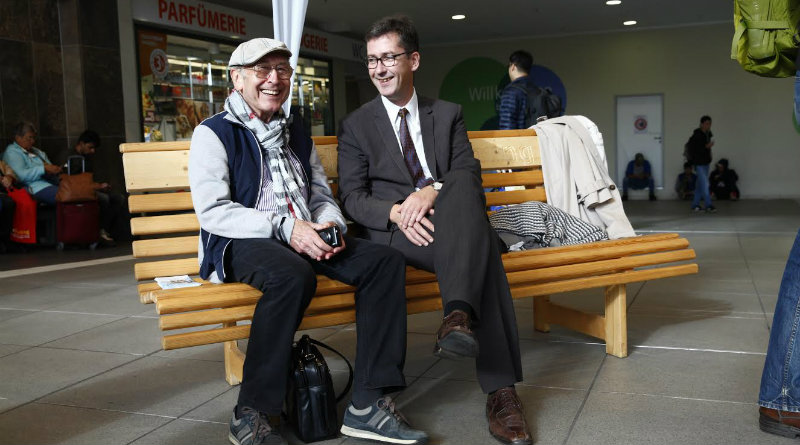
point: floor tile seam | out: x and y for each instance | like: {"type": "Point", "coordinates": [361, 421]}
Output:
{"type": "Point", "coordinates": [675, 317]}
{"type": "Point", "coordinates": [109, 410]}
{"type": "Point", "coordinates": [121, 316]}
{"type": "Point", "coordinates": [64, 348]}
{"type": "Point", "coordinates": [695, 313]}
{"type": "Point", "coordinates": [63, 266]}
{"type": "Point", "coordinates": [583, 402]}
{"type": "Point", "coordinates": [174, 419]}
{"type": "Point", "coordinates": [758, 294]}
{"type": "Point", "coordinates": [38, 399]}
{"type": "Point", "coordinates": [675, 348]}
{"type": "Point", "coordinates": [79, 332]}
{"type": "Point", "coordinates": [666, 396]}
{"type": "Point", "coordinates": [68, 386]}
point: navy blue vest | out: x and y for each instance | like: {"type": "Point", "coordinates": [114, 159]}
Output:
{"type": "Point", "coordinates": [244, 170]}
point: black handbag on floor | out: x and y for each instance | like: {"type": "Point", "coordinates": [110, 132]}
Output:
{"type": "Point", "coordinates": [311, 399]}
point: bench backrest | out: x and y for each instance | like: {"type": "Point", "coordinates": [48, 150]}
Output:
{"type": "Point", "coordinates": [156, 176]}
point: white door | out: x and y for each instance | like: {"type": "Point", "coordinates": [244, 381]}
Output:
{"type": "Point", "coordinates": [640, 130]}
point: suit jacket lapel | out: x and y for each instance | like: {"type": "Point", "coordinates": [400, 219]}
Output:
{"type": "Point", "coordinates": [428, 140]}
{"type": "Point", "coordinates": [386, 130]}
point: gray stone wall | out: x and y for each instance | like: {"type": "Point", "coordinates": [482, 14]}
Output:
{"type": "Point", "coordinates": [60, 69]}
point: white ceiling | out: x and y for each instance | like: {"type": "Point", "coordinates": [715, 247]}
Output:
{"type": "Point", "coordinates": [501, 19]}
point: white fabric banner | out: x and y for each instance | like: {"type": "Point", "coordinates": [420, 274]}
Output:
{"type": "Point", "coordinates": [288, 17]}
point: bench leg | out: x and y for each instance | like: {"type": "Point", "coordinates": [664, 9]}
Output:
{"type": "Point", "coordinates": [540, 305]}
{"type": "Point", "coordinates": [616, 321]}
{"type": "Point", "coordinates": [234, 360]}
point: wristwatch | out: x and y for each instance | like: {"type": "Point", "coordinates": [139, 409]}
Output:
{"type": "Point", "coordinates": [437, 185]}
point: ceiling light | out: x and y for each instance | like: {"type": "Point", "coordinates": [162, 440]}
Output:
{"type": "Point", "coordinates": [629, 22]}
{"type": "Point", "coordinates": [458, 17]}
{"type": "Point", "coordinates": [613, 2]}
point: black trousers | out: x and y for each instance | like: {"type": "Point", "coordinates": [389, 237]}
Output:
{"type": "Point", "coordinates": [111, 210]}
{"type": "Point", "coordinates": [465, 256]}
{"type": "Point", "coordinates": [288, 281]}
{"type": "Point", "coordinates": [7, 206]}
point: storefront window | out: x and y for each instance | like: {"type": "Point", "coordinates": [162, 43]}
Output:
{"type": "Point", "coordinates": [312, 95]}
{"type": "Point", "coordinates": [185, 80]}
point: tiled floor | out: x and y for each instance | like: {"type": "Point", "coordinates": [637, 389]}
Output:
{"type": "Point", "coordinates": [80, 357]}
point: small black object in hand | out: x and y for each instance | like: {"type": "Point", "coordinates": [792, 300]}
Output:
{"type": "Point", "coordinates": [331, 235]}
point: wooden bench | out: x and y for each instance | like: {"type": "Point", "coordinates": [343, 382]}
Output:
{"type": "Point", "coordinates": [167, 231]}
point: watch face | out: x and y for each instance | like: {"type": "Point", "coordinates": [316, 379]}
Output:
{"type": "Point", "coordinates": [437, 186]}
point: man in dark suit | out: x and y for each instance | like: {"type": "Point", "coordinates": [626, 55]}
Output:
{"type": "Point", "coordinates": [406, 167]}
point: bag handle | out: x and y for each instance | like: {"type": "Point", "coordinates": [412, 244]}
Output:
{"type": "Point", "coordinates": [349, 367]}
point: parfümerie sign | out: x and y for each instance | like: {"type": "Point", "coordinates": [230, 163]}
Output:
{"type": "Point", "coordinates": [211, 19]}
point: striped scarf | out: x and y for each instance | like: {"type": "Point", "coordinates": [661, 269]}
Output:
{"type": "Point", "coordinates": [273, 136]}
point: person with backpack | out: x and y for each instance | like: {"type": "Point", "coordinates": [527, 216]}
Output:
{"type": "Point", "coordinates": [514, 97]}
{"type": "Point", "coordinates": [698, 153]}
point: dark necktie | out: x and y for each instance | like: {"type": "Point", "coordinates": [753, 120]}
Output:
{"type": "Point", "coordinates": [410, 153]}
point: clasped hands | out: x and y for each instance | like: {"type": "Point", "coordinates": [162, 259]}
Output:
{"type": "Point", "coordinates": [306, 241]}
{"type": "Point", "coordinates": [411, 216]}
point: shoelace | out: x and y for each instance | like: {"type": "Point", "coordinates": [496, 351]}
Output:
{"type": "Point", "coordinates": [261, 426]}
{"type": "Point", "coordinates": [388, 404]}
{"type": "Point", "coordinates": [506, 399]}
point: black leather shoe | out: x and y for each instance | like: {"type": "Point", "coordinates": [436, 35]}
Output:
{"type": "Point", "coordinates": [455, 339]}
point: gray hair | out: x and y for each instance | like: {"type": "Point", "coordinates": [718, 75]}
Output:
{"type": "Point", "coordinates": [21, 128]}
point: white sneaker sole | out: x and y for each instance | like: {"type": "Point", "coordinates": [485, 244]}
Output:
{"type": "Point", "coordinates": [361, 434]}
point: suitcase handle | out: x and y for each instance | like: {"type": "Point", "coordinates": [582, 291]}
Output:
{"type": "Point", "coordinates": [69, 163]}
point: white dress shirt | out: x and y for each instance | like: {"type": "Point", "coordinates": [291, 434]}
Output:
{"type": "Point", "coordinates": [414, 128]}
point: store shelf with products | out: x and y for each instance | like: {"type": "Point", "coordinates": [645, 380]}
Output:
{"type": "Point", "coordinates": [188, 92]}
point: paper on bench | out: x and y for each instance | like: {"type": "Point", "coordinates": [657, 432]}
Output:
{"type": "Point", "coordinates": [176, 281]}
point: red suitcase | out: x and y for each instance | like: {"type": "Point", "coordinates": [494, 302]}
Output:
{"type": "Point", "coordinates": [77, 223]}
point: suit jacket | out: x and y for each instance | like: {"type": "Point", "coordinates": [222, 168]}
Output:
{"type": "Point", "coordinates": [372, 173]}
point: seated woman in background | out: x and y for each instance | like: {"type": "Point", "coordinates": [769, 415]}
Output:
{"type": "Point", "coordinates": [31, 165]}
{"type": "Point", "coordinates": [722, 182]}
{"type": "Point", "coordinates": [7, 205]}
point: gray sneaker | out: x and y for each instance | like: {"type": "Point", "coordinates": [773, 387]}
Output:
{"type": "Point", "coordinates": [380, 422]}
{"type": "Point", "coordinates": [253, 428]}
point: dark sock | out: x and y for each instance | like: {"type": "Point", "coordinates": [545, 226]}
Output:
{"type": "Point", "coordinates": [363, 398]}
{"type": "Point", "coordinates": [510, 386]}
{"type": "Point", "coordinates": [460, 305]}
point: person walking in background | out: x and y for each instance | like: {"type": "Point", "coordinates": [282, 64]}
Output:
{"type": "Point", "coordinates": [638, 175]}
{"type": "Point", "coordinates": [513, 108]}
{"type": "Point", "coordinates": [698, 153]}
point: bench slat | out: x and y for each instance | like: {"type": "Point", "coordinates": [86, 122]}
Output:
{"type": "Point", "coordinates": [503, 153]}
{"type": "Point", "coordinates": [527, 178]}
{"type": "Point", "coordinates": [515, 197]}
{"type": "Point", "coordinates": [157, 225]}
{"type": "Point", "coordinates": [635, 276]}
{"type": "Point", "coordinates": [590, 255]}
{"type": "Point", "coordinates": [197, 338]}
{"type": "Point", "coordinates": [605, 243]}
{"type": "Point", "coordinates": [596, 268]}
{"type": "Point", "coordinates": [160, 202]}
{"type": "Point", "coordinates": [165, 246]}
{"type": "Point", "coordinates": [166, 268]}
{"type": "Point", "coordinates": [156, 170]}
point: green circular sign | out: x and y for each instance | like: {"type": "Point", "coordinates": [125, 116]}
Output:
{"type": "Point", "coordinates": [474, 84]}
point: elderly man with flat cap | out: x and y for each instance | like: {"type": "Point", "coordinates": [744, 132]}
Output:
{"type": "Point", "coordinates": [261, 195]}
